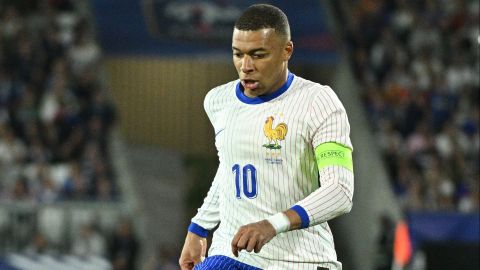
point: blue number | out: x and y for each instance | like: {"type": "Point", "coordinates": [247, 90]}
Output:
{"type": "Point", "coordinates": [236, 171]}
{"type": "Point", "coordinates": [252, 191]}
{"type": "Point", "coordinates": [249, 177]}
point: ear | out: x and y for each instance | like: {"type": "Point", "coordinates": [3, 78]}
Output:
{"type": "Point", "coordinates": [288, 50]}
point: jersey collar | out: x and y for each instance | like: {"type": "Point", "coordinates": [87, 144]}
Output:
{"type": "Point", "coordinates": [261, 99]}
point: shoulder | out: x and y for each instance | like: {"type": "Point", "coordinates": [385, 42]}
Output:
{"type": "Point", "coordinates": [217, 98]}
{"type": "Point", "coordinates": [318, 94]}
{"type": "Point", "coordinates": [220, 92]}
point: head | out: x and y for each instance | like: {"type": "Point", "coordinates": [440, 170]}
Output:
{"type": "Point", "coordinates": [261, 49]}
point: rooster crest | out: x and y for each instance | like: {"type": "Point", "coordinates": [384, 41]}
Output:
{"type": "Point", "coordinates": [274, 135]}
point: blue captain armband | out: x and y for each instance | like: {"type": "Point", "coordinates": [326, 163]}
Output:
{"type": "Point", "coordinates": [198, 230]}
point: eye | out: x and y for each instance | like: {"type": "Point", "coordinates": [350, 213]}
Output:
{"type": "Point", "coordinates": [238, 55]}
{"type": "Point", "coordinates": [259, 55]}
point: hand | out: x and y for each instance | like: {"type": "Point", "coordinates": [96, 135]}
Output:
{"type": "Point", "coordinates": [252, 236]}
{"type": "Point", "coordinates": [193, 251]}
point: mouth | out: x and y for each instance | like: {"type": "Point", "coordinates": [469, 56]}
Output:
{"type": "Point", "coordinates": [250, 84]}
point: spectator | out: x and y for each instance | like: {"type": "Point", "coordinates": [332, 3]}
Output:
{"type": "Point", "coordinates": [84, 52]}
{"type": "Point", "coordinates": [385, 244]}
{"type": "Point", "coordinates": [46, 190]}
{"type": "Point", "coordinates": [12, 23]}
{"type": "Point", "coordinates": [12, 153]}
{"type": "Point", "coordinates": [75, 186]}
{"type": "Point", "coordinates": [21, 190]}
{"type": "Point", "coordinates": [89, 242]}
{"type": "Point", "coordinates": [123, 246]}
{"type": "Point", "coordinates": [165, 258]}
{"type": "Point", "coordinates": [39, 245]}
{"type": "Point", "coordinates": [104, 190]}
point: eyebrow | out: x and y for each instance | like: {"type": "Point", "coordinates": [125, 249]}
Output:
{"type": "Point", "coordinates": [251, 51]}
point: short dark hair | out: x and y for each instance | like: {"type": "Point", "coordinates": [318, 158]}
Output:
{"type": "Point", "coordinates": [262, 16]}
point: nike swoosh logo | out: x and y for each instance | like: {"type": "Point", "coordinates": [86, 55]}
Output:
{"type": "Point", "coordinates": [218, 132]}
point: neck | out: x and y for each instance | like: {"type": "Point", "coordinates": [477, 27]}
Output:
{"type": "Point", "coordinates": [281, 81]}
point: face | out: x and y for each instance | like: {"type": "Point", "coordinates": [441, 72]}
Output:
{"type": "Point", "coordinates": [261, 58]}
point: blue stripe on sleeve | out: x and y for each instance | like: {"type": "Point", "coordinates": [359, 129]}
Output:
{"type": "Point", "coordinates": [303, 215]}
{"type": "Point", "coordinates": [198, 230]}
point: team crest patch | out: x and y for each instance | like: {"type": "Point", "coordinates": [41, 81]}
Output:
{"type": "Point", "coordinates": [274, 134]}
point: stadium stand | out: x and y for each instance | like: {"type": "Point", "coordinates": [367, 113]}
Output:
{"type": "Point", "coordinates": [417, 65]}
{"type": "Point", "coordinates": [55, 116]}
{"type": "Point", "coordinates": [59, 192]}
{"type": "Point", "coordinates": [415, 62]}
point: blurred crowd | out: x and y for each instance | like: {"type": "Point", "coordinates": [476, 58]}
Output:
{"type": "Point", "coordinates": [55, 124]}
{"type": "Point", "coordinates": [55, 116]}
{"type": "Point", "coordinates": [119, 245]}
{"type": "Point", "coordinates": [417, 63]}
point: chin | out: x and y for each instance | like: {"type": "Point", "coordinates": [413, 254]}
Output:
{"type": "Point", "coordinates": [252, 93]}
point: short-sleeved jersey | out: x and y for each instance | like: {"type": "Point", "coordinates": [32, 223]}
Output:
{"type": "Point", "coordinates": [266, 148]}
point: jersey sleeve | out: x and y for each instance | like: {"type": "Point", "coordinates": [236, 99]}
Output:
{"type": "Point", "coordinates": [329, 125]}
{"type": "Point", "coordinates": [208, 215]}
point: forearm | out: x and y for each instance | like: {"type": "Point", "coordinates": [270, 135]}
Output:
{"type": "Point", "coordinates": [332, 199]}
{"type": "Point", "coordinates": [294, 219]}
{"type": "Point", "coordinates": [208, 215]}
{"type": "Point", "coordinates": [206, 218]}
{"type": "Point", "coordinates": [253, 236]}
{"type": "Point", "coordinates": [194, 250]}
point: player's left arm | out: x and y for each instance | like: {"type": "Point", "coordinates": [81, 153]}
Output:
{"type": "Point", "coordinates": [333, 152]}
{"type": "Point", "coordinates": [331, 199]}
{"type": "Point", "coordinates": [334, 197]}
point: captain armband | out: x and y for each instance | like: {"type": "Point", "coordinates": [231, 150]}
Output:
{"type": "Point", "coordinates": [332, 153]}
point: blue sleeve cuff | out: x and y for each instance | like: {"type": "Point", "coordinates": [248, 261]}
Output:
{"type": "Point", "coordinates": [303, 215]}
{"type": "Point", "coordinates": [198, 230]}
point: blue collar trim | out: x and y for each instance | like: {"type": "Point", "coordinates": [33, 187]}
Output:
{"type": "Point", "coordinates": [261, 99]}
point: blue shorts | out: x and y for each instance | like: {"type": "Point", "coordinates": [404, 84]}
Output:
{"type": "Point", "coordinates": [219, 262]}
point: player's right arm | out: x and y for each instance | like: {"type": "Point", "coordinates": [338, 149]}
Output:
{"type": "Point", "coordinates": [194, 250]}
{"type": "Point", "coordinates": [207, 217]}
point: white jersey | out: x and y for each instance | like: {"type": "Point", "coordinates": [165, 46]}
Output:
{"type": "Point", "coordinates": [267, 165]}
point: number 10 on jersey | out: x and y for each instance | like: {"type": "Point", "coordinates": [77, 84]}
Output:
{"type": "Point", "coordinates": [248, 175]}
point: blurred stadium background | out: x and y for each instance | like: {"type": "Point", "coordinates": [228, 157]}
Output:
{"type": "Point", "coordinates": [105, 151]}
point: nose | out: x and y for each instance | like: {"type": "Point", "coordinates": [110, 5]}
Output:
{"type": "Point", "coordinates": [247, 64]}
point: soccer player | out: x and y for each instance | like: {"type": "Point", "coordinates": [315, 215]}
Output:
{"type": "Point", "coordinates": [285, 160]}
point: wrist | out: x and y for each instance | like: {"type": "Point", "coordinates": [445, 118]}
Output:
{"type": "Point", "coordinates": [198, 230]}
{"type": "Point", "coordinates": [279, 222]}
